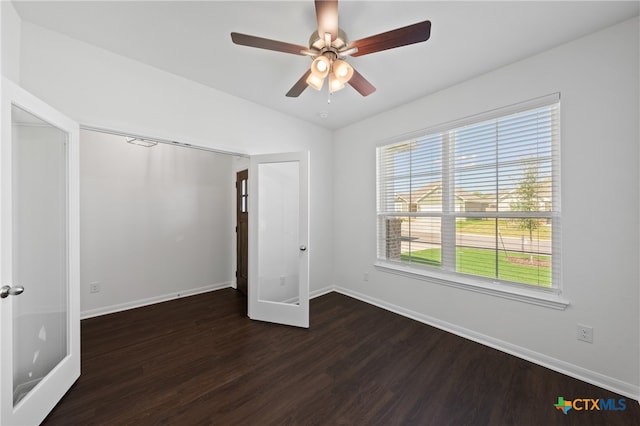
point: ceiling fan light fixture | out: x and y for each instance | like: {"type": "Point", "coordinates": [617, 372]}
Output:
{"type": "Point", "coordinates": [335, 84]}
{"type": "Point", "coordinates": [342, 71]}
{"type": "Point", "coordinates": [320, 66]}
{"type": "Point", "coordinates": [315, 81]}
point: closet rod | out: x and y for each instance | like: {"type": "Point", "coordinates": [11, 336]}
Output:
{"type": "Point", "coordinates": [165, 141]}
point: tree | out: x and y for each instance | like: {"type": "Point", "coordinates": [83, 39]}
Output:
{"type": "Point", "coordinates": [528, 199]}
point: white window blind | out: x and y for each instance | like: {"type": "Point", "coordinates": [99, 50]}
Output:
{"type": "Point", "coordinates": [478, 197]}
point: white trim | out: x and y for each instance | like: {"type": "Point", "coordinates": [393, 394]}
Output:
{"type": "Point", "coordinates": [538, 296]}
{"type": "Point", "coordinates": [177, 295]}
{"type": "Point", "coordinates": [463, 214]}
{"type": "Point", "coordinates": [152, 300]}
{"type": "Point", "coordinates": [321, 292]}
{"type": "Point", "coordinates": [618, 386]}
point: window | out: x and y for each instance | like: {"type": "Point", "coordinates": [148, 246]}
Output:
{"type": "Point", "coordinates": [477, 200]}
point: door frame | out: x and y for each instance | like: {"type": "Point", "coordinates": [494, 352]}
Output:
{"type": "Point", "coordinates": [37, 404]}
{"type": "Point", "coordinates": [242, 236]}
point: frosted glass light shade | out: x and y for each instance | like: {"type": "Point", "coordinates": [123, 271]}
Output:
{"type": "Point", "coordinates": [335, 84]}
{"type": "Point", "coordinates": [342, 71]}
{"type": "Point", "coordinates": [320, 66]}
{"type": "Point", "coordinates": [315, 81]}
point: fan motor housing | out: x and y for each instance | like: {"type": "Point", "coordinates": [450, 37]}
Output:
{"type": "Point", "coordinates": [317, 42]}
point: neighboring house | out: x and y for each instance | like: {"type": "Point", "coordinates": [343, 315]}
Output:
{"type": "Point", "coordinates": [429, 198]}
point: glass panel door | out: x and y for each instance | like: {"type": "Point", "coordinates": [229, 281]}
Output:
{"type": "Point", "coordinates": [278, 239]}
{"type": "Point", "coordinates": [39, 190]}
{"type": "Point", "coordinates": [39, 257]}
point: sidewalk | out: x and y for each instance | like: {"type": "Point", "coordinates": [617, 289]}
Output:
{"type": "Point", "coordinates": [426, 240]}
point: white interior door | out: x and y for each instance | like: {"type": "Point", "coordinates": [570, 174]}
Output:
{"type": "Point", "coordinates": [39, 257]}
{"type": "Point", "coordinates": [279, 249]}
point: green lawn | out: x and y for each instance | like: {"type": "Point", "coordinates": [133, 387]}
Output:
{"type": "Point", "coordinates": [482, 262]}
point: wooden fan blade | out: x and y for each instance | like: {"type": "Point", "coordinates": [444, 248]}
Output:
{"type": "Point", "coordinates": [327, 15]}
{"type": "Point", "coordinates": [265, 43]}
{"type": "Point", "coordinates": [361, 84]}
{"type": "Point", "coordinates": [299, 87]}
{"type": "Point", "coordinates": [410, 34]}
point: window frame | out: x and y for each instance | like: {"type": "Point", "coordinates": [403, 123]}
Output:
{"type": "Point", "coordinates": [445, 274]}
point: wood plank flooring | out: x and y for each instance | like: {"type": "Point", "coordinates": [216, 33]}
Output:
{"type": "Point", "coordinates": [200, 361]}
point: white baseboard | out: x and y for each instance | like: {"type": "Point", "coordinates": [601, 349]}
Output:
{"type": "Point", "coordinates": [321, 292]}
{"type": "Point", "coordinates": [623, 388]}
{"type": "Point", "coordinates": [163, 298]}
{"type": "Point", "coordinates": [151, 300]}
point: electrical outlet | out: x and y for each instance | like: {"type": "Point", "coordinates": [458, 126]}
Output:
{"type": "Point", "coordinates": [94, 287]}
{"type": "Point", "coordinates": [584, 333]}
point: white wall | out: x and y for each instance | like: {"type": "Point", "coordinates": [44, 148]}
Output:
{"type": "Point", "coordinates": [155, 222]}
{"type": "Point", "coordinates": [598, 79]}
{"type": "Point", "coordinates": [10, 36]}
{"type": "Point", "coordinates": [105, 90]}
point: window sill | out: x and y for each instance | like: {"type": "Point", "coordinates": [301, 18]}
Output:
{"type": "Point", "coordinates": [535, 297]}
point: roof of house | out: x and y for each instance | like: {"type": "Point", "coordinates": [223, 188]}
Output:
{"type": "Point", "coordinates": [544, 189]}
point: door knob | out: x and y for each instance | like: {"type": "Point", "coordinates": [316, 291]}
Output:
{"type": "Point", "coordinates": [303, 248]}
{"type": "Point", "coordinates": [7, 290]}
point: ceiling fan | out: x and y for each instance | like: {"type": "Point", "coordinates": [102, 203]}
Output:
{"type": "Point", "coordinates": [328, 46]}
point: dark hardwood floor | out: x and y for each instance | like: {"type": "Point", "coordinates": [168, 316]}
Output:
{"type": "Point", "coordinates": [199, 361]}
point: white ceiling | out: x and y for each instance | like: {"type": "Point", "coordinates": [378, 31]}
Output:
{"type": "Point", "coordinates": [191, 39]}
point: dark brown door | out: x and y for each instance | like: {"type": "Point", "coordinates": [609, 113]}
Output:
{"type": "Point", "coordinates": [242, 236]}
